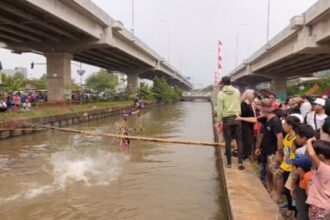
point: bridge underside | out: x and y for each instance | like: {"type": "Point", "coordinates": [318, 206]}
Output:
{"type": "Point", "coordinates": [297, 65]}
{"type": "Point", "coordinates": [300, 49]}
{"type": "Point", "coordinates": [22, 23]}
{"type": "Point", "coordinates": [63, 30]}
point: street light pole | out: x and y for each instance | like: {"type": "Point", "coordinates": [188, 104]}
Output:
{"type": "Point", "coordinates": [237, 42]}
{"type": "Point", "coordinates": [168, 38]}
{"type": "Point", "coordinates": [268, 20]}
{"type": "Point", "coordinates": [80, 72]}
{"type": "Point", "coordinates": [133, 17]}
{"type": "Point", "coordinates": [236, 59]}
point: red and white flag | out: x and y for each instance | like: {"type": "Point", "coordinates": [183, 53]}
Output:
{"type": "Point", "coordinates": [215, 79]}
{"type": "Point", "coordinates": [219, 56]}
{"type": "Point", "coordinates": [217, 73]}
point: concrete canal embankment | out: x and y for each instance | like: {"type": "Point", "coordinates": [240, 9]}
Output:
{"type": "Point", "coordinates": [11, 128]}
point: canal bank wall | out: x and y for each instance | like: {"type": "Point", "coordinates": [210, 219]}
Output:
{"type": "Point", "coordinates": [15, 128]}
{"type": "Point", "coordinates": [246, 196]}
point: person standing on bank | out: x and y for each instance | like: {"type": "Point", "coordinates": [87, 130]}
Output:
{"type": "Point", "coordinates": [317, 117]}
{"type": "Point", "coordinates": [247, 127]}
{"type": "Point", "coordinates": [228, 106]}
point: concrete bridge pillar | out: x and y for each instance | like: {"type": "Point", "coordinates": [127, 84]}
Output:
{"type": "Point", "coordinates": [59, 76]}
{"type": "Point", "coordinates": [280, 88]}
{"type": "Point", "coordinates": [132, 83]}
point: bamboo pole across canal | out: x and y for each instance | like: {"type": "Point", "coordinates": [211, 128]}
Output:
{"type": "Point", "coordinates": [119, 136]}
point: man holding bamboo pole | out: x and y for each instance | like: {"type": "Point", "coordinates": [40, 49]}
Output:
{"type": "Point", "coordinates": [228, 106]}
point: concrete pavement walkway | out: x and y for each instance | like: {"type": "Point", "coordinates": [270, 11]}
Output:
{"type": "Point", "coordinates": [247, 196]}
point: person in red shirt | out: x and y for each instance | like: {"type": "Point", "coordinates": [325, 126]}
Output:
{"type": "Point", "coordinates": [17, 101]}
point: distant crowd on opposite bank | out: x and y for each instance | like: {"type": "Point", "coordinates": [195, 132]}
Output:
{"type": "Point", "coordinates": [20, 101]}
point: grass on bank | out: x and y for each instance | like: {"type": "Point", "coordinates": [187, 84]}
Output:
{"type": "Point", "coordinates": [49, 110]}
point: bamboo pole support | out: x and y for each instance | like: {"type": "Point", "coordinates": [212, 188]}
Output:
{"type": "Point", "coordinates": [119, 136]}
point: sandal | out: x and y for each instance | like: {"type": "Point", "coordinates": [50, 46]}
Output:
{"type": "Point", "coordinates": [241, 167]}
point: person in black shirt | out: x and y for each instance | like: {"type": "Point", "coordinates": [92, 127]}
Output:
{"type": "Point", "coordinates": [327, 106]}
{"type": "Point", "coordinates": [247, 110]}
{"type": "Point", "coordinates": [270, 138]}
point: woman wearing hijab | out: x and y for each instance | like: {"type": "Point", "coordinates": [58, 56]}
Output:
{"type": "Point", "coordinates": [247, 127]}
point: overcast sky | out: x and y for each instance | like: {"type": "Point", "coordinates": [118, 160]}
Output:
{"type": "Point", "coordinates": [193, 27]}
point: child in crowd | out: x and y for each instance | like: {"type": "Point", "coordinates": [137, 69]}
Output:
{"type": "Point", "coordinates": [301, 168]}
{"type": "Point", "coordinates": [303, 133]}
{"type": "Point", "coordinates": [319, 191]}
{"type": "Point", "coordinates": [325, 131]}
{"type": "Point", "coordinates": [290, 124]}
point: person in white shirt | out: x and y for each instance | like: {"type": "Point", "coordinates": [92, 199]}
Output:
{"type": "Point", "coordinates": [26, 106]}
{"type": "Point", "coordinates": [317, 117]}
{"type": "Point", "coordinates": [3, 106]}
{"type": "Point", "coordinates": [305, 107]}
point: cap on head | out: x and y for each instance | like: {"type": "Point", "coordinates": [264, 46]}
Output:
{"type": "Point", "coordinates": [319, 101]}
{"type": "Point", "coordinates": [302, 161]}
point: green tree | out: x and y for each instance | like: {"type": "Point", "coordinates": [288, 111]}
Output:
{"type": "Point", "coordinates": [145, 92]}
{"type": "Point", "coordinates": [164, 92]}
{"type": "Point", "coordinates": [38, 84]}
{"type": "Point", "coordinates": [101, 81]}
{"type": "Point", "coordinates": [178, 92]}
{"type": "Point", "coordinates": [12, 83]}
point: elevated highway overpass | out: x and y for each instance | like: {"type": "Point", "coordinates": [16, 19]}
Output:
{"type": "Point", "coordinates": [65, 30]}
{"type": "Point", "coordinates": [301, 49]}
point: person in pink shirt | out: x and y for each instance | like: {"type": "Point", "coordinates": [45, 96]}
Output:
{"type": "Point", "coordinates": [17, 100]}
{"type": "Point", "coordinates": [125, 142]}
{"type": "Point", "coordinates": [319, 191]}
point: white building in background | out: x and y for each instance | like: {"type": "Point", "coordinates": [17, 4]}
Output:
{"type": "Point", "coordinates": [122, 82]}
{"type": "Point", "coordinates": [148, 82]}
{"type": "Point", "coordinates": [11, 72]}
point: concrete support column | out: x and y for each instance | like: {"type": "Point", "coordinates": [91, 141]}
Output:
{"type": "Point", "coordinates": [280, 88]}
{"type": "Point", "coordinates": [132, 83]}
{"type": "Point", "coordinates": [59, 76]}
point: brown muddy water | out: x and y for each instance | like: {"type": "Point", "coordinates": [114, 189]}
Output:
{"type": "Point", "coordinates": [55, 175]}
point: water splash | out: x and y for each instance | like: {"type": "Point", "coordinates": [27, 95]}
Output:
{"type": "Point", "coordinates": [91, 168]}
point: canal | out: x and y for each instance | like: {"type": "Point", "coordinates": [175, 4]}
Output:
{"type": "Point", "coordinates": [55, 175]}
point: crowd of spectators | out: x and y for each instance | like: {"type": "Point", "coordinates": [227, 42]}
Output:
{"type": "Point", "coordinates": [290, 140]}
{"type": "Point", "coordinates": [21, 101]}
